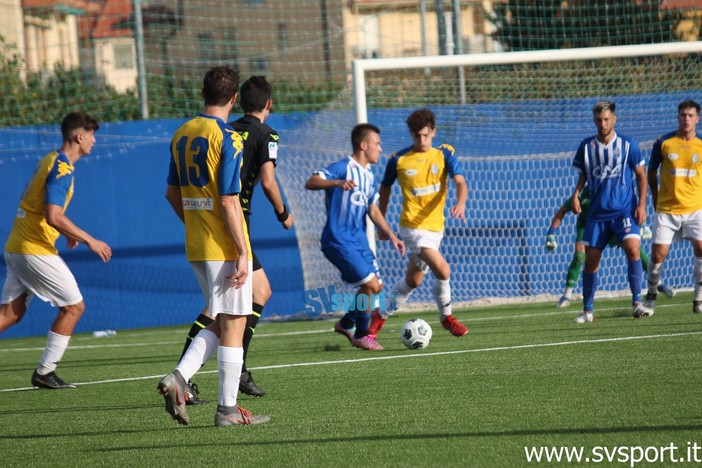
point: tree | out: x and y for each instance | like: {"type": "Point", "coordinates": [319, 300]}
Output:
{"type": "Point", "coordinates": [557, 24]}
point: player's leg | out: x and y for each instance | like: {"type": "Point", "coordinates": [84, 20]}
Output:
{"type": "Point", "coordinates": [573, 274]}
{"type": "Point", "coordinates": [192, 391]}
{"type": "Point", "coordinates": [692, 230]}
{"type": "Point", "coordinates": [666, 229]}
{"type": "Point", "coordinates": [661, 287]}
{"type": "Point", "coordinates": [261, 293]}
{"type": "Point", "coordinates": [595, 237]}
{"type": "Point", "coordinates": [363, 336]}
{"type": "Point", "coordinates": [416, 269]}
{"type": "Point", "coordinates": [49, 278]}
{"type": "Point", "coordinates": [632, 248]}
{"type": "Point", "coordinates": [353, 271]}
{"type": "Point", "coordinates": [234, 307]}
{"type": "Point", "coordinates": [13, 302]}
{"type": "Point", "coordinates": [441, 289]}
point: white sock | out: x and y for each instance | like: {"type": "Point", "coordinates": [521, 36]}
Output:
{"type": "Point", "coordinates": [399, 296]}
{"type": "Point", "coordinates": [229, 363]}
{"type": "Point", "coordinates": [698, 279]}
{"type": "Point", "coordinates": [442, 294]}
{"type": "Point", "coordinates": [654, 276]}
{"type": "Point", "coordinates": [199, 352]}
{"type": "Point", "coordinates": [53, 352]}
{"type": "Point", "coordinates": [568, 292]}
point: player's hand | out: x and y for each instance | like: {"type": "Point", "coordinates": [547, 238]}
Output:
{"type": "Point", "coordinates": [72, 243]}
{"type": "Point", "coordinates": [100, 249]}
{"type": "Point", "coordinates": [646, 232]}
{"type": "Point", "coordinates": [551, 243]}
{"type": "Point", "coordinates": [458, 211]}
{"type": "Point", "coordinates": [347, 184]}
{"type": "Point", "coordinates": [289, 222]}
{"type": "Point", "coordinates": [398, 244]}
{"type": "Point", "coordinates": [576, 205]}
{"type": "Point", "coordinates": [238, 279]}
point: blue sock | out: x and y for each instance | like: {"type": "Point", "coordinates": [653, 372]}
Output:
{"type": "Point", "coordinates": [635, 275]}
{"type": "Point", "coordinates": [589, 288]}
{"type": "Point", "coordinates": [348, 321]}
{"type": "Point", "coordinates": [362, 323]}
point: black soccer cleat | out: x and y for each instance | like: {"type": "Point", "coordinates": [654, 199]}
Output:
{"type": "Point", "coordinates": [248, 386]}
{"type": "Point", "coordinates": [50, 381]}
{"type": "Point", "coordinates": [192, 395]}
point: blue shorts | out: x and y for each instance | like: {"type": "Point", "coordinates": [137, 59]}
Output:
{"type": "Point", "coordinates": [599, 233]}
{"type": "Point", "coordinates": [356, 263]}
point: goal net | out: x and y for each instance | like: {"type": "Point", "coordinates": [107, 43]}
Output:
{"type": "Point", "coordinates": [515, 134]}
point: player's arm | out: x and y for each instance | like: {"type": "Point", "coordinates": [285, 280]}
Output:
{"type": "Point", "coordinates": [641, 182]}
{"type": "Point", "coordinates": [575, 198]}
{"type": "Point", "coordinates": [56, 218]}
{"type": "Point", "coordinates": [317, 182]}
{"type": "Point", "coordinates": [175, 199]}
{"type": "Point", "coordinates": [233, 218]}
{"type": "Point", "coordinates": [551, 243]}
{"type": "Point", "coordinates": [272, 190]}
{"type": "Point", "coordinates": [459, 209]}
{"type": "Point", "coordinates": [381, 223]}
{"type": "Point", "coordinates": [652, 173]}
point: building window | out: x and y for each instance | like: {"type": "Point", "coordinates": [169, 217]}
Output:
{"type": "Point", "coordinates": [124, 56]}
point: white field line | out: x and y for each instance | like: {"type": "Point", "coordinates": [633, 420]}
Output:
{"type": "Point", "coordinates": [403, 356]}
{"type": "Point", "coordinates": [103, 344]}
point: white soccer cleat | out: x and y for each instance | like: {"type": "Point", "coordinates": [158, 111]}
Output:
{"type": "Point", "coordinates": [564, 301]}
{"type": "Point", "coordinates": [640, 310]}
{"type": "Point", "coordinates": [585, 317]}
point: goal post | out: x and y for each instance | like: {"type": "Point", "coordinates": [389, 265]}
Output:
{"type": "Point", "coordinates": [516, 134]}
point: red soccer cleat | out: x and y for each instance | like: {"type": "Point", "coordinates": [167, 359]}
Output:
{"type": "Point", "coordinates": [454, 326]}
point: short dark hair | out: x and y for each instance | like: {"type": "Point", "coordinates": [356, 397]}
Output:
{"type": "Point", "coordinates": [604, 105]}
{"type": "Point", "coordinates": [360, 133]}
{"type": "Point", "coordinates": [219, 85]}
{"type": "Point", "coordinates": [254, 94]}
{"type": "Point", "coordinates": [76, 121]}
{"type": "Point", "coordinates": [687, 104]}
{"type": "Point", "coordinates": [421, 118]}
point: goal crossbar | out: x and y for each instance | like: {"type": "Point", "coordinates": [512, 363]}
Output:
{"type": "Point", "coordinates": [360, 66]}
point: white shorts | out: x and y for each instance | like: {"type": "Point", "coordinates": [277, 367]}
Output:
{"type": "Point", "coordinates": [417, 239]}
{"type": "Point", "coordinates": [213, 277]}
{"type": "Point", "coordinates": [668, 228]}
{"type": "Point", "coordinates": [44, 276]}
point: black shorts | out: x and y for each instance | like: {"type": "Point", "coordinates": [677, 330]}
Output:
{"type": "Point", "coordinates": [256, 264]}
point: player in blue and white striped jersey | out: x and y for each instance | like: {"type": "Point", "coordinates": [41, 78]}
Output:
{"type": "Point", "coordinates": [610, 163]}
{"type": "Point", "coordinates": [350, 196]}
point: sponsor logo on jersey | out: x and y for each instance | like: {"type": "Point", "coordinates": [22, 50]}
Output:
{"type": "Point", "coordinates": [359, 198]}
{"type": "Point", "coordinates": [434, 169]}
{"type": "Point", "coordinates": [411, 172]}
{"type": "Point", "coordinates": [695, 158]}
{"type": "Point", "coordinates": [21, 214]}
{"type": "Point", "coordinates": [421, 191]}
{"type": "Point", "coordinates": [272, 150]}
{"type": "Point", "coordinates": [198, 204]}
{"type": "Point", "coordinates": [683, 173]}
{"type": "Point", "coordinates": [606, 172]}
{"type": "Point", "coordinates": [64, 169]}
{"type": "Point", "coordinates": [673, 156]}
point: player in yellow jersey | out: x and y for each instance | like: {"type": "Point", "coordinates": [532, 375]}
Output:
{"type": "Point", "coordinates": [34, 267]}
{"type": "Point", "coordinates": [203, 189]}
{"type": "Point", "coordinates": [677, 197]}
{"type": "Point", "coordinates": [423, 172]}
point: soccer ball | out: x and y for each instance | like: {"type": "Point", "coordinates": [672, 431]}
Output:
{"type": "Point", "coordinates": [415, 334]}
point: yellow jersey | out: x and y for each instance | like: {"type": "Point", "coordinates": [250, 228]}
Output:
{"type": "Point", "coordinates": [51, 184]}
{"type": "Point", "coordinates": [680, 184]}
{"type": "Point", "coordinates": [206, 158]}
{"type": "Point", "coordinates": [423, 178]}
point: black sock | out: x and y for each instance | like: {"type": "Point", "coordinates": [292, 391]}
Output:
{"type": "Point", "coordinates": [251, 322]}
{"type": "Point", "coordinates": [198, 325]}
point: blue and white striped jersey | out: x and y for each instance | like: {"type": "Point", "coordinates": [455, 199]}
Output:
{"type": "Point", "coordinates": [610, 175]}
{"type": "Point", "coordinates": [347, 209]}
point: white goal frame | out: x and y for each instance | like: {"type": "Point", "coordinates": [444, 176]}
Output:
{"type": "Point", "coordinates": [360, 66]}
